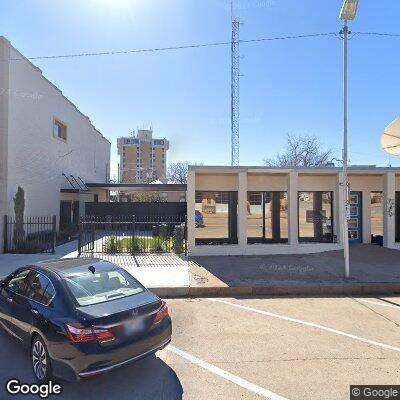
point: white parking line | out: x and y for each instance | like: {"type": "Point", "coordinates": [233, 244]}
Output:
{"type": "Point", "coordinates": [298, 321]}
{"type": "Point", "coordinates": [378, 304]}
{"type": "Point", "coordinates": [226, 375]}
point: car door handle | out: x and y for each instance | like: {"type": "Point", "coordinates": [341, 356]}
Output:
{"type": "Point", "coordinates": [33, 311]}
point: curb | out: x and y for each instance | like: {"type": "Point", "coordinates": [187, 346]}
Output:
{"type": "Point", "coordinates": [361, 288]}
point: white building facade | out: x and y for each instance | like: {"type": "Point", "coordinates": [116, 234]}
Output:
{"type": "Point", "coordinates": [260, 210]}
{"type": "Point", "coordinates": [47, 146]}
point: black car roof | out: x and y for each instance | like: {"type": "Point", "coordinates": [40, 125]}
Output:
{"type": "Point", "coordinates": [72, 266]}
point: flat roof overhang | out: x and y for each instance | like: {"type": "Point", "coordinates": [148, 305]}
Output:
{"type": "Point", "coordinates": [138, 187]}
{"type": "Point", "coordinates": [352, 170]}
{"type": "Point", "coordinates": [79, 191]}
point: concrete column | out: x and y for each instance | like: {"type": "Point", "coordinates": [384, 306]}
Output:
{"type": "Point", "coordinates": [242, 209]}
{"type": "Point", "coordinates": [366, 216]}
{"type": "Point", "coordinates": [339, 209]}
{"type": "Point", "coordinates": [191, 203]}
{"type": "Point", "coordinates": [389, 194]}
{"type": "Point", "coordinates": [293, 214]}
{"type": "Point", "coordinates": [4, 103]}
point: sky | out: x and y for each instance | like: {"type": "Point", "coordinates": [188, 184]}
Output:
{"type": "Point", "coordinates": [286, 87]}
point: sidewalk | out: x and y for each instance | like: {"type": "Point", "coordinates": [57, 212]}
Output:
{"type": "Point", "coordinates": [165, 274]}
{"type": "Point", "coordinates": [10, 262]}
{"type": "Point", "coordinates": [374, 269]}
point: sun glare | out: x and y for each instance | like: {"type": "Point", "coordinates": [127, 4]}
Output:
{"type": "Point", "coordinates": [114, 4]}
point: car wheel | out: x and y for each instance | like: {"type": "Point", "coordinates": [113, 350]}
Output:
{"type": "Point", "coordinates": [40, 360]}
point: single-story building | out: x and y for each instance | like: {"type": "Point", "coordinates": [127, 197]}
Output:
{"type": "Point", "coordinates": [263, 210]}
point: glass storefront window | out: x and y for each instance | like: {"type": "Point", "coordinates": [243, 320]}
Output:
{"type": "Point", "coordinates": [255, 214]}
{"type": "Point", "coordinates": [376, 214]}
{"type": "Point", "coordinates": [215, 217]}
{"type": "Point", "coordinates": [267, 217]}
{"type": "Point", "coordinates": [283, 215]}
{"type": "Point", "coordinates": [315, 216]}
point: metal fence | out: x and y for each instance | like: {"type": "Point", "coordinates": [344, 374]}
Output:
{"type": "Point", "coordinates": [30, 235]}
{"type": "Point", "coordinates": [139, 209]}
{"type": "Point", "coordinates": [147, 234]}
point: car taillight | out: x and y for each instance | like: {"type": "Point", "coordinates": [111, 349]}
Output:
{"type": "Point", "coordinates": [162, 313]}
{"type": "Point", "coordinates": [78, 333]}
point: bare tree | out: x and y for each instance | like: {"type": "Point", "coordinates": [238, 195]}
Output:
{"type": "Point", "coordinates": [301, 151]}
{"type": "Point", "coordinates": [177, 172]}
{"type": "Point", "coordinates": [147, 197]}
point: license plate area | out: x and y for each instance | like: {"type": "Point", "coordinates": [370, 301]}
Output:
{"type": "Point", "coordinates": [133, 326]}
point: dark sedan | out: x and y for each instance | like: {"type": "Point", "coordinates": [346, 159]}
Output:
{"type": "Point", "coordinates": [81, 317]}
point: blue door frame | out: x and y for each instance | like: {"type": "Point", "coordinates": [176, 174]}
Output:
{"type": "Point", "coordinates": [355, 221]}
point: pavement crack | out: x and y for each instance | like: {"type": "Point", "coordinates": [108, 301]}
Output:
{"type": "Point", "coordinates": [376, 312]}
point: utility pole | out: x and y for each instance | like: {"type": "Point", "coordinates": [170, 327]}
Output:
{"type": "Point", "coordinates": [235, 74]}
{"type": "Point", "coordinates": [347, 13]}
{"type": "Point", "coordinates": [345, 183]}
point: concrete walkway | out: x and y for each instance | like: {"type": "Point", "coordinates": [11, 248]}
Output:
{"type": "Point", "coordinates": [10, 262]}
{"type": "Point", "coordinates": [374, 269]}
{"type": "Point", "coordinates": [165, 274]}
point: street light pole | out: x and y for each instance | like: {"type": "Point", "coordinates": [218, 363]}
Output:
{"type": "Point", "coordinates": [347, 13]}
{"type": "Point", "coordinates": [345, 185]}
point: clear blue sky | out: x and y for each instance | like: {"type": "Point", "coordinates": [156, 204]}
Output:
{"type": "Point", "coordinates": [288, 86]}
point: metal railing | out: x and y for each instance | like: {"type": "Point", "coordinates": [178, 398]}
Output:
{"type": "Point", "coordinates": [33, 234]}
{"type": "Point", "coordinates": [149, 234]}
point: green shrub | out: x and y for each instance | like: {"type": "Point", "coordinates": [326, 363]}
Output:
{"type": "Point", "coordinates": [111, 245]}
{"type": "Point", "coordinates": [178, 239]}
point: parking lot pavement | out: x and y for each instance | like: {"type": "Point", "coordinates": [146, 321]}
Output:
{"type": "Point", "coordinates": [277, 348]}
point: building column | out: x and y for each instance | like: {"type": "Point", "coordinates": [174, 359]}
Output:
{"type": "Point", "coordinates": [293, 212]}
{"type": "Point", "coordinates": [242, 209]}
{"type": "Point", "coordinates": [389, 194]}
{"type": "Point", "coordinates": [191, 207]}
{"type": "Point", "coordinates": [366, 216]}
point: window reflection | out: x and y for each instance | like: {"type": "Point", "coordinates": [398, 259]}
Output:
{"type": "Point", "coordinates": [267, 219]}
{"type": "Point", "coordinates": [215, 217]}
{"type": "Point", "coordinates": [255, 214]}
{"type": "Point", "coordinates": [376, 214]}
{"type": "Point", "coordinates": [315, 216]}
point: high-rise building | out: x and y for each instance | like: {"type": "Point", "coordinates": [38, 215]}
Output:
{"type": "Point", "coordinates": [142, 158]}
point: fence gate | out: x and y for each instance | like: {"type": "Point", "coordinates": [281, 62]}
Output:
{"type": "Point", "coordinates": [132, 235]}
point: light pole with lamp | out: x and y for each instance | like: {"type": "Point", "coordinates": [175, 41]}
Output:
{"type": "Point", "coordinates": [347, 13]}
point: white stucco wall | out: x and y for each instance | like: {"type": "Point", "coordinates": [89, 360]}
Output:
{"type": "Point", "coordinates": [36, 159]}
{"type": "Point", "coordinates": [4, 83]}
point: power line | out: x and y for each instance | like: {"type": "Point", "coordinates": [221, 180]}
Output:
{"type": "Point", "coordinates": [182, 47]}
{"type": "Point", "coordinates": [200, 45]}
{"type": "Point", "coordinates": [378, 34]}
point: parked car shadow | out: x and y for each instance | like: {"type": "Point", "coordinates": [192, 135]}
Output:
{"type": "Point", "coordinates": [150, 378]}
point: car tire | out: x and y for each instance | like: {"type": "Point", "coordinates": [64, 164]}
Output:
{"type": "Point", "coordinates": [40, 360]}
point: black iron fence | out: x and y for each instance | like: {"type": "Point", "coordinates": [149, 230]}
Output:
{"type": "Point", "coordinates": [30, 235]}
{"type": "Point", "coordinates": [139, 209]}
{"type": "Point", "coordinates": [145, 234]}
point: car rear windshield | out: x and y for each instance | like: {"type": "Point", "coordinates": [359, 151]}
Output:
{"type": "Point", "coordinates": [91, 288]}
